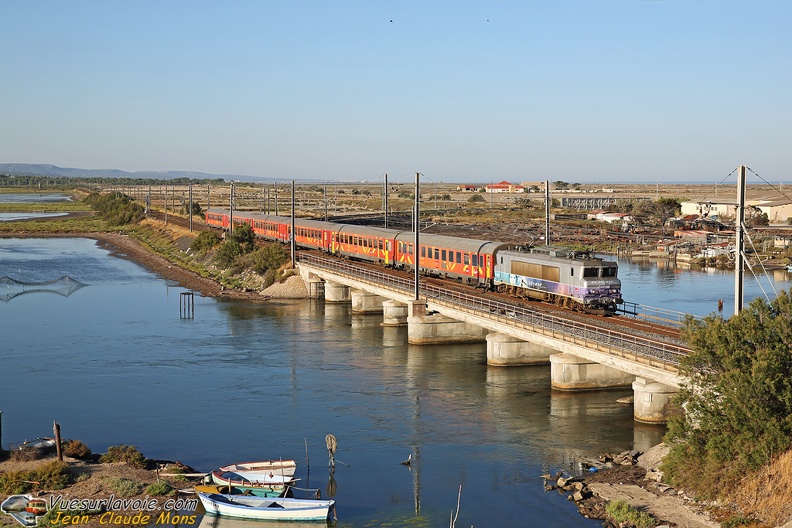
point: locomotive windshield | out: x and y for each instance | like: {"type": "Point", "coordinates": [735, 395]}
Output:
{"type": "Point", "coordinates": [593, 273]}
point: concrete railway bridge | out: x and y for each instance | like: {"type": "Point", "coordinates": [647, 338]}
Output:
{"type": "Point", "coordinates": [581, 356]}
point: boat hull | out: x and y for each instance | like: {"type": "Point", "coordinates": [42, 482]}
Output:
{"type": "Point", "coordinates": [285, 468]}
{"type": "Point", "coordinates": [265, 509]}
{"type": "Point", "coordinates": [261, 491]}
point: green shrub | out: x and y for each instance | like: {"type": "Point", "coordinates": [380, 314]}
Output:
{"type": "Point", "coordinates": [116, 209]}
{"type": "Point", "coordinates": [476, 198]}
{"type": "Point", "coordinates": [49, 475]}
{"type": "Point", "coordinates": [15, 482]}
{"type": "Point", "coordinates": [52, 475]}
{"type": "Point", "coordinates": [244, 236]}
{"type": "Point", "coordinates": [123, 487]}
{"type": "Point", "coordinates": [737, 520]}
{"type": "Point", "coordinates": [621, 512]}
{"type": "Point", "coordinates": [76, 449]}
{"type": "Point", "coordinates": [159, 488]}
{"type": "Point", "coordinates": [268, 257]}
{"type": "Point", "coordinates": [227, 253]}
{"type": "Point", "coordinates": [205, 241]}
{"type": "Point", "coordinates": [124, 453]}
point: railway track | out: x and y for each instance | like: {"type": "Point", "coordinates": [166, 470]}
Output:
{"type": "Point", "coordinates": [651, 335]}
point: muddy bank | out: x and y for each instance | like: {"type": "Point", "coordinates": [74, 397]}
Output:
{"type": "Point", "coordinates": [127, 247]}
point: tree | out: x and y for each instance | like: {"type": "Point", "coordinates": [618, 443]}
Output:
{"type": "Point", "coordinates": [755, 216]}
{"type": "Point", "coordinates": [737, 397]}
{"type": "Point", "coordinates": [244, 236]}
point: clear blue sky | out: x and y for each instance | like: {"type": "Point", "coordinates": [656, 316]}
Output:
{"type": "Point", "coordinates": [461, 91]}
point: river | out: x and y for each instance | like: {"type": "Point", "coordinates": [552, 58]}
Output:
{"type": "Point", "coordinates": [114, 363]}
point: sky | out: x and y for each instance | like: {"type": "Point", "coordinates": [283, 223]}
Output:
{"type": "Point", "coordinates": [583, 91]}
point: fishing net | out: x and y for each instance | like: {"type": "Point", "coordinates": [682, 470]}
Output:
{"type": "Point", "coordinates": [13, 288]}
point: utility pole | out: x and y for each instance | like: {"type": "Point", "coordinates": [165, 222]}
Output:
{"type": "Point", "coordinates": [231, 209]}
{"type": "Point", "coordinates": [385, 201]}
{"type": "Point", "coordinates": [293, 234]}
{"type": "Point", "coordinates": [417, 256]}
{"type": "Point", "coordinates": [547, 212]}
{"type": "Point", "coordinates": [190, 187]}
{"type": "Point", "coordinates": [739, 265]}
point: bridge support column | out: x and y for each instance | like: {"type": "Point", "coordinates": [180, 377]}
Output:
{"type": "Point", "coordinates": [314, 284]}
{"type": "Point", "coordinates": [569, 372]}
{"type": "Point", "coordinates": [365, 302]}
{"type": "Point", "coordinates": [437, 329]}
{"type": "Point", "coordinates": [651, 401]}
{"type": "Point", "coordinates": [337, 293]}
{"type": "Point", "coordinates": [507, 351]}
{"type": "Point", "coordinates": [394, 313]}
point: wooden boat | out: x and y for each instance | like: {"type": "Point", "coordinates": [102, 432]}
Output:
{"type": "Point", "coordinates": [25, 509]}
{"type": "Point", "coordinates": [258, 491]}
{"type": "Point", "coordinates": [266, 509]}
{"type": "Point", "coordinates": [284, 468]}
{"type": "Point", "coordinates": [38, 443]}
{"type": "Point", "coordinates": [250, 478]}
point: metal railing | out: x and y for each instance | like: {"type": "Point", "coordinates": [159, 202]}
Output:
{"type": "Point", "coordinates": [642, 350]}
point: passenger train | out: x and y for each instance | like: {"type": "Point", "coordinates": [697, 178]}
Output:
{"type": "Point", "coordinates": [572, 279]}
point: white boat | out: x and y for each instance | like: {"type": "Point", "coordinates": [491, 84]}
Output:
{"type": "Point", "coordinates": [38, 443]}
{"type": "Point", "coordinates": [250, 478]}
{"type": "Point", "coordinates": [266, 509]}
{"type": "Point", "coordinates": [261, 473]}
{"type": "Point", "coordinates": [25, 509]}
{"type": "Point", "coordinates": [284, 468]}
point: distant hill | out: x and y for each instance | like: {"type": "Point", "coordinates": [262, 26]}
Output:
{"type": "Point", "coordinates": [30, 169]}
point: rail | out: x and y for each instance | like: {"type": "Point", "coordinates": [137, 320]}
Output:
{"type": "Point", "coordinates": [643, 350]}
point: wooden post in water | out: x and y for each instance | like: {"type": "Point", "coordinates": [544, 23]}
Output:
{"type": "Point", "coordinates": [186, 305]}
{"type": "Point", "coordinates": [56, 431]}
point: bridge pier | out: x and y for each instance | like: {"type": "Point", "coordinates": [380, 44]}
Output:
{"type": "Point", "coordinates": [507, 351]}
{"type": "Point", "coordinates": [314, 284]}
{"type": "Point", "coordinates": [337, 293]}
{"type": "Point", "coordinates": [651, 401]}
{"type": "Point", "coordinates": [365, 302]}
{"type": "Point", "coordinates": [569, 372]}
{"type": "Point", "coordinates": [437, 329]}
{"type": "Point", "coordinates": [394, 313]}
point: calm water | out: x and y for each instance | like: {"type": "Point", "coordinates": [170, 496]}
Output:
{"type": "Point", "coordinates": [114, 363]}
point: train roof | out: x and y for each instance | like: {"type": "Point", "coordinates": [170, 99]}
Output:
{"type": "Point", "coordinates": [299, 222]}
{"type": "Point", "coordinates": [560, 254]}
{"type": "Point", "coordinates": [455, 243]}
{"type": "Point", "coordinates": [366, 231]}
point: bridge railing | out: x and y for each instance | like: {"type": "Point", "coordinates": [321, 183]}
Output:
{"type": "Point", "coordinates": [620, 344]}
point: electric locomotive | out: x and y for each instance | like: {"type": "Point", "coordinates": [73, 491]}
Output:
{"type": "Point", "coordinates": [572, 279]}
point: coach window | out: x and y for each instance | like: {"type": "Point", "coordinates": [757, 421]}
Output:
{"type": "Point", "coordinates": [459, 257]}
{"type": "Point", "coordinates": [444, 254]}
{"type": "Point", "coordinates": [423, 251]}
{"type": "Point", "coordinates": [467, 259]}
{"type": "Point", "coordinates": [436, 254]}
